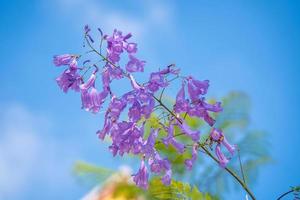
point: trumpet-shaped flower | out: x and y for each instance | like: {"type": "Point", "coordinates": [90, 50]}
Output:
{"type": "Point", "coordinates": [134, 64]}
{"type": "Point", "coordinates": [189, 162]}
{"type": "Point", "coordinates": [217, 136]}
{"type": "Point", "coordinates": [69, 79]}
{"type": "Point", "coordinates": [141, 177]}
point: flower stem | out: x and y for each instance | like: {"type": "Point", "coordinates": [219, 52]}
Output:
{"type": "Point", "coordinates": [165, 107]}
{"type": "Point", "coordinates": [284, 194]}
{"type": "Point", "coordinates": [229, 171]}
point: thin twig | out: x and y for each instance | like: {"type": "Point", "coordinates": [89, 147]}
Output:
{"type": "Point", "coordinates": [229, 171]}
{"type": "Point", "coordinates": [161, 94]}
{"type": "Point", "coordinates": [241, 166]}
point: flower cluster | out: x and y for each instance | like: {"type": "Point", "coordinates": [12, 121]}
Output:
{"type": "Point", "coordinates": [128, 136]}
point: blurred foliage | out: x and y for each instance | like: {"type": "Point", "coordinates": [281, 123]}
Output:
{"type": "Point", "coordinates": [235, 122]}
{"type": "Point", "coordinates": [177, 190]}
{"type": "Point", "coordinates": [118, 185]}
{"type": "Point", "coordinates": [206, 175]}
{"type": "Point", "coordinates": [253, 148]}
{"type": "Point", "coordinates": [90, 174]}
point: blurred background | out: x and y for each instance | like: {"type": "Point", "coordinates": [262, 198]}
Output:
{"type": "Point", "coordinates": [249, 50]}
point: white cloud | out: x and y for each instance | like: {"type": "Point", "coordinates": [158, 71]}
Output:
{"type": "Point", "coordinates": [19, 148]}
{"type": "Point", "coordinates": [154, 16]}
{"type": "Point", "coordinates": [27, 155]}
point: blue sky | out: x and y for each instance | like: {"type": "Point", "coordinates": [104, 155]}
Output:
{"type": "Point", "coordinates": [252, 46]}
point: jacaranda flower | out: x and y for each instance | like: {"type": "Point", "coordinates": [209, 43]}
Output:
{"type": "Point", "coordinates": [135, 65]}
{"type": "Point", "coordinates": [181, 104]}
{"type": "Point", "coordinates": [91, 99]}
{"type": "Point", "coordinates": [194, 135]}
{"type": "Point", "coordinates": [159, 165]}
{"type": "Point", "coordinates": [217, 136]}
{"type": "Point", "coordinates": [171, 140]}
{"type": "Point", "coordinates": [197, 88]}
{"type": "Point", "coordinates": [158, 79]}
{"type": "Point", "coordinates": [189, 162]}
{"type": "Point", "coordinates": [141, 177]}
{"type": "Point", "coordinates": [69, 79]}
{"type": "Point", "coordinates": [221, 157]}
{"type": "Point", "coordinates": [65, 59]}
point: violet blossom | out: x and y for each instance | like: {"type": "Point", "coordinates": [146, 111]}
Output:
{"type": "Point", "coordinates": [141, 177]}
{"type": "Point", "coordinates": [65, 59]}
{"type": "Point", "coordinates": [171, 140]}
{"type": "Point", "coordinates": [218, 137]}
{"type": "Point", "coordinates": [69, 79]}
{"type": "Point", "coordinates": [134, 64]}
{"type": "Point", "coordinates": [189, 162]}
{"type": "Point", "coordinates": [137, 105]}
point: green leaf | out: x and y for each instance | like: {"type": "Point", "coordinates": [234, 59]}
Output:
{"type": "Point", "coordinates": [177, 190]}
{"type": "Point", "coordinates": [90, 173]}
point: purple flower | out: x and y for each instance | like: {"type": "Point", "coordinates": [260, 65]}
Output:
{"type": "Point", "coordinates": [92, 100]}
{"type": "Point", "coordinates": [131, 48]}
{"type": "Point", "coordinates": [113, 56]}
{"type": "Point", "coordinates": [212, 107]}
{"type": "Point", "coordinates": [166, 179]}
{"type": "Point", "coordinates": [114, 46]}
{"type": "Point", "coordinates": [134, 113]}
{"type": "Point", "coordinates": [171, 140]}
{"type": "Point", "coordinates": [126, 138]}
{"type": "Point", "coordinates": [137, 140]}
{"type": "Point", "coordinates": [65, 59]}
{"type": "Point", "coordinates": [189, 162]}
{"type": "Point", "coordinates": [217, 135]}
{"type": "Point", "coordinates": [182, 104]}
{"type": "Point", "coordinates": [116, 107]}
{"type": "Point", "coordinates": [141, 177]}
{"type": "Point", "coordinates": [221, 157]}
{"type": "Point", "coordinates": [148, 147]}
{"type": "Point", "coordinates": [134, 84]}
{"type": "Point", "coordinates": [158, 80]}
{"type": "Point", "coordinates": [143, 96]}
{"type": "Point", "coordinates": [143, 102]}
{"type": "Point", "coordinates": [194, 135]}
{"type": "Point", "coordinates": [200, 111]}
{"type": "Point", "coordinates": [147, 108]}
{"type": "Point", "coordinates": [157, 164]}
{"type": "Point", "coordinates": [115, 72]}
{"type": "Point", "coordinates": [69, 79]}
{"type": "Point", "coordinates": [170, 70]}
{"type": "Point", "coordinates": [106, 80]}
{"type": "Point", "coordinates": [87, 30]}
{"type": "Point", "coordinates": [196, 88]}
{"type": "Point", "coordinates": [130, 97]}
{"type": "Point", "coordinates": [106, 128]}
{"type": "Point", "coordinates": [134, 64]}
{"type": "Point", "coordinates": [198, 107]}
{"type": "Point", "coordinates": [89, 83]}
